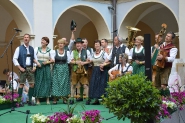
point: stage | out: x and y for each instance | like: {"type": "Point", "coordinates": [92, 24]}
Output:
{"type": "Point", "coordinates": [17, 117]}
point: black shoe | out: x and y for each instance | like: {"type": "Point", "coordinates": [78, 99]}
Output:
{"type": "Point", "coordinates": [88, 102]}
{"type": "Point", "coordinates": [71, 102]}
{"type": "Point", "coordinates": [31, 104]}
{"type": "Point", "coordinates": [79, 99]}
{"type": "Point", "coordinates": [96, 102]}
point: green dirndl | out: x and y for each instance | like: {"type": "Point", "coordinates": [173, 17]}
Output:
{"type": "Point", "coordinates": [138, 68]}
{"type": "Point", "coordinates": [60, 80]}
{"type": "Point", "coordinates": [42, 81]}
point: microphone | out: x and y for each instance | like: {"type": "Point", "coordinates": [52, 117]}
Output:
{"type": "Point", "coordinates": [18, 30]}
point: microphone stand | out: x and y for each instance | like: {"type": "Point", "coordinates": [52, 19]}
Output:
{"type": "Point", "coordinates": [13, 109]}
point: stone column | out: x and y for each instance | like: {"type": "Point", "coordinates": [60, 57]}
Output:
{"type": "Point", "coordinates": [43, 26]}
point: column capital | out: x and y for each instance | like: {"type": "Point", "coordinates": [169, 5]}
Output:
{"type": "Point", "coordinates": [20, 37]}
{"type": "Point", "coordinates": [3, 44]}
{"type": "Point", "coordinates": [55, 36]}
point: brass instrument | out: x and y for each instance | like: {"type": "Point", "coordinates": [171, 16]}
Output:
{"type": "Point", "coordinates": [156, 52]}
{"type": "Point", "coordinates": [131, 35]}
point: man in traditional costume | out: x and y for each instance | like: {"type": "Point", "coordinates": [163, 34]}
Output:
{"type": "Point", "coordinates": [80, 58]}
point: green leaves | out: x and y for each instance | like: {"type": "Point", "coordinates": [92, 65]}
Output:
{"type": "Point", "coordinates": [132, 97]}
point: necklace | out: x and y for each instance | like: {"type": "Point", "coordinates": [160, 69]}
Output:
{"type": "Point", "coordinates": [61, 52]}
{"type": "Point", "coordinates": [97, 52]}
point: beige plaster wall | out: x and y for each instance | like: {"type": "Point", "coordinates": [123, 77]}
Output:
{"type": "Point", "coordinates": [6, 61]}
{"type": "Point", "coordinates": [89, 32]}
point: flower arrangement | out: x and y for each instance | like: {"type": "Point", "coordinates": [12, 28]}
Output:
{"type": "Point", "coordinates": [178, 95]}
{"type": "Point", "coordinates": [7, 98]}
{"type": "Point", "coordinates": [166, 109]}
{"type": "Point", "coordinates": [2, 100]}
{"type": "Point", "coordinates": [179, 98]}
{"type": "Point", "coordinates": [58, 117]}
{"type": "Point", "coordinates": [75, 119]}
{"type": "Point", "coordinates": [171, 103]}
{"type": "Point", "coordinates": [92, 116]}
{"type": "Point", "coordinates": [39, 118]}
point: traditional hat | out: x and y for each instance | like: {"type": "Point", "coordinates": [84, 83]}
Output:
{"type": "Point", "coordinates": [79, 40]}
{"type": "Point", "coordinates": [73, 25]}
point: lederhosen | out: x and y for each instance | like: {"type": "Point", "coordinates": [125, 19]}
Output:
{"type": "Point", "coordinates": [80, 77]}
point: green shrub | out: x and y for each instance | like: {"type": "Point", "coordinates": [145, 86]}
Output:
{"type": "Point", "coordinates": [133, 97]}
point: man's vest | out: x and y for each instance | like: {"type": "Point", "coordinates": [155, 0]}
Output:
{"type": "Point", "coordinates": [167, 49]}
{"type": "Point", "coordinates": [83, 57]}
{"type": "Point", "coordinates": [23, 54]}
{"type": "Point", "coordinates": [115, 53]}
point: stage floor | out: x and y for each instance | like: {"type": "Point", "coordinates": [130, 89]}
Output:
{"type": "Point", "coordinates": [17, 117]}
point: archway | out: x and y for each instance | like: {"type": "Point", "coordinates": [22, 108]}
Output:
{"type": "Point", "coordinates": [88, 21]}
{"type": "Point", "coordinates": [148, 17]}
{"type": "Point", "coordinates": [11, 17]}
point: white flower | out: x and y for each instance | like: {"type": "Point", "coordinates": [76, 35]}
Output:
{"type": "Point", "coordinates": [170, 104]}
{"type": "Point", "coordinates": [39, 118]}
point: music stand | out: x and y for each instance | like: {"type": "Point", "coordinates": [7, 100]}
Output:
{"type": "Point", "coordinates": [12, 108]}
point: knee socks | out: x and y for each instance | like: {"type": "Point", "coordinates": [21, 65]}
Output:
{"type": "Point", "coordinates": [20, 90]}
{"type": "Point", "coordinates": [81, 91]}
{"type": "Point", "coordinates": [30, 94]}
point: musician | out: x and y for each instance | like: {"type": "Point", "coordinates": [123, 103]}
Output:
{"type": "Point", "coordinates": [123, 67]}
{"type": "Point", "coordinates": [79, 57]}
{"type": "Point", "coordinates": [138, 56]}
{"type": "Point", "coordinates": [158, 40]}
{"type": "Point", "coordinates": [170, 52]}
{"type": "Point", "coordinates": [8, 73]}
{"type": "Point", "coordinates": [99, 77]}
{"type": "Point", "coordinates": [9, 78]}
{"type": "Point", "coordinates": [118, 49]}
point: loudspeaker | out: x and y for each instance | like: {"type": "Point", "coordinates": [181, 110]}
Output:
{"type": "Point", "coordinates": [148, 65]}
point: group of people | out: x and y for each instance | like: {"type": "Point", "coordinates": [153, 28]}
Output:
{"type": "Point", "coordinates": [57, 72]}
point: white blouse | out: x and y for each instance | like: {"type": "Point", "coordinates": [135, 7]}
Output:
{"type": "Point", "coordinates": [53, 54]}
{"type": "Point", "coordinates": [122, 69]}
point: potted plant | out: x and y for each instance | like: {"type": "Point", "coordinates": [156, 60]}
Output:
{"type": "Point", "coordinates": [92, 116]}
{"type": "Point", "coordinates": [6, 100]}
{"type": "Point", "coordinates": [133, 97]}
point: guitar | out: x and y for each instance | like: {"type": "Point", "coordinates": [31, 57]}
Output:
{"type": "Point", "coordinates": [116, 74]}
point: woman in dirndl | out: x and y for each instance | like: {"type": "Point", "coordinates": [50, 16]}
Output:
{"type": "Point", "coordinates": [99, 77]}
{"type": "Point", "coordinates": [43, 71]}
{"type": "Point", "coordinates": [138, 56]}
{"type": "Point", "coordinates": [60, 75]}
